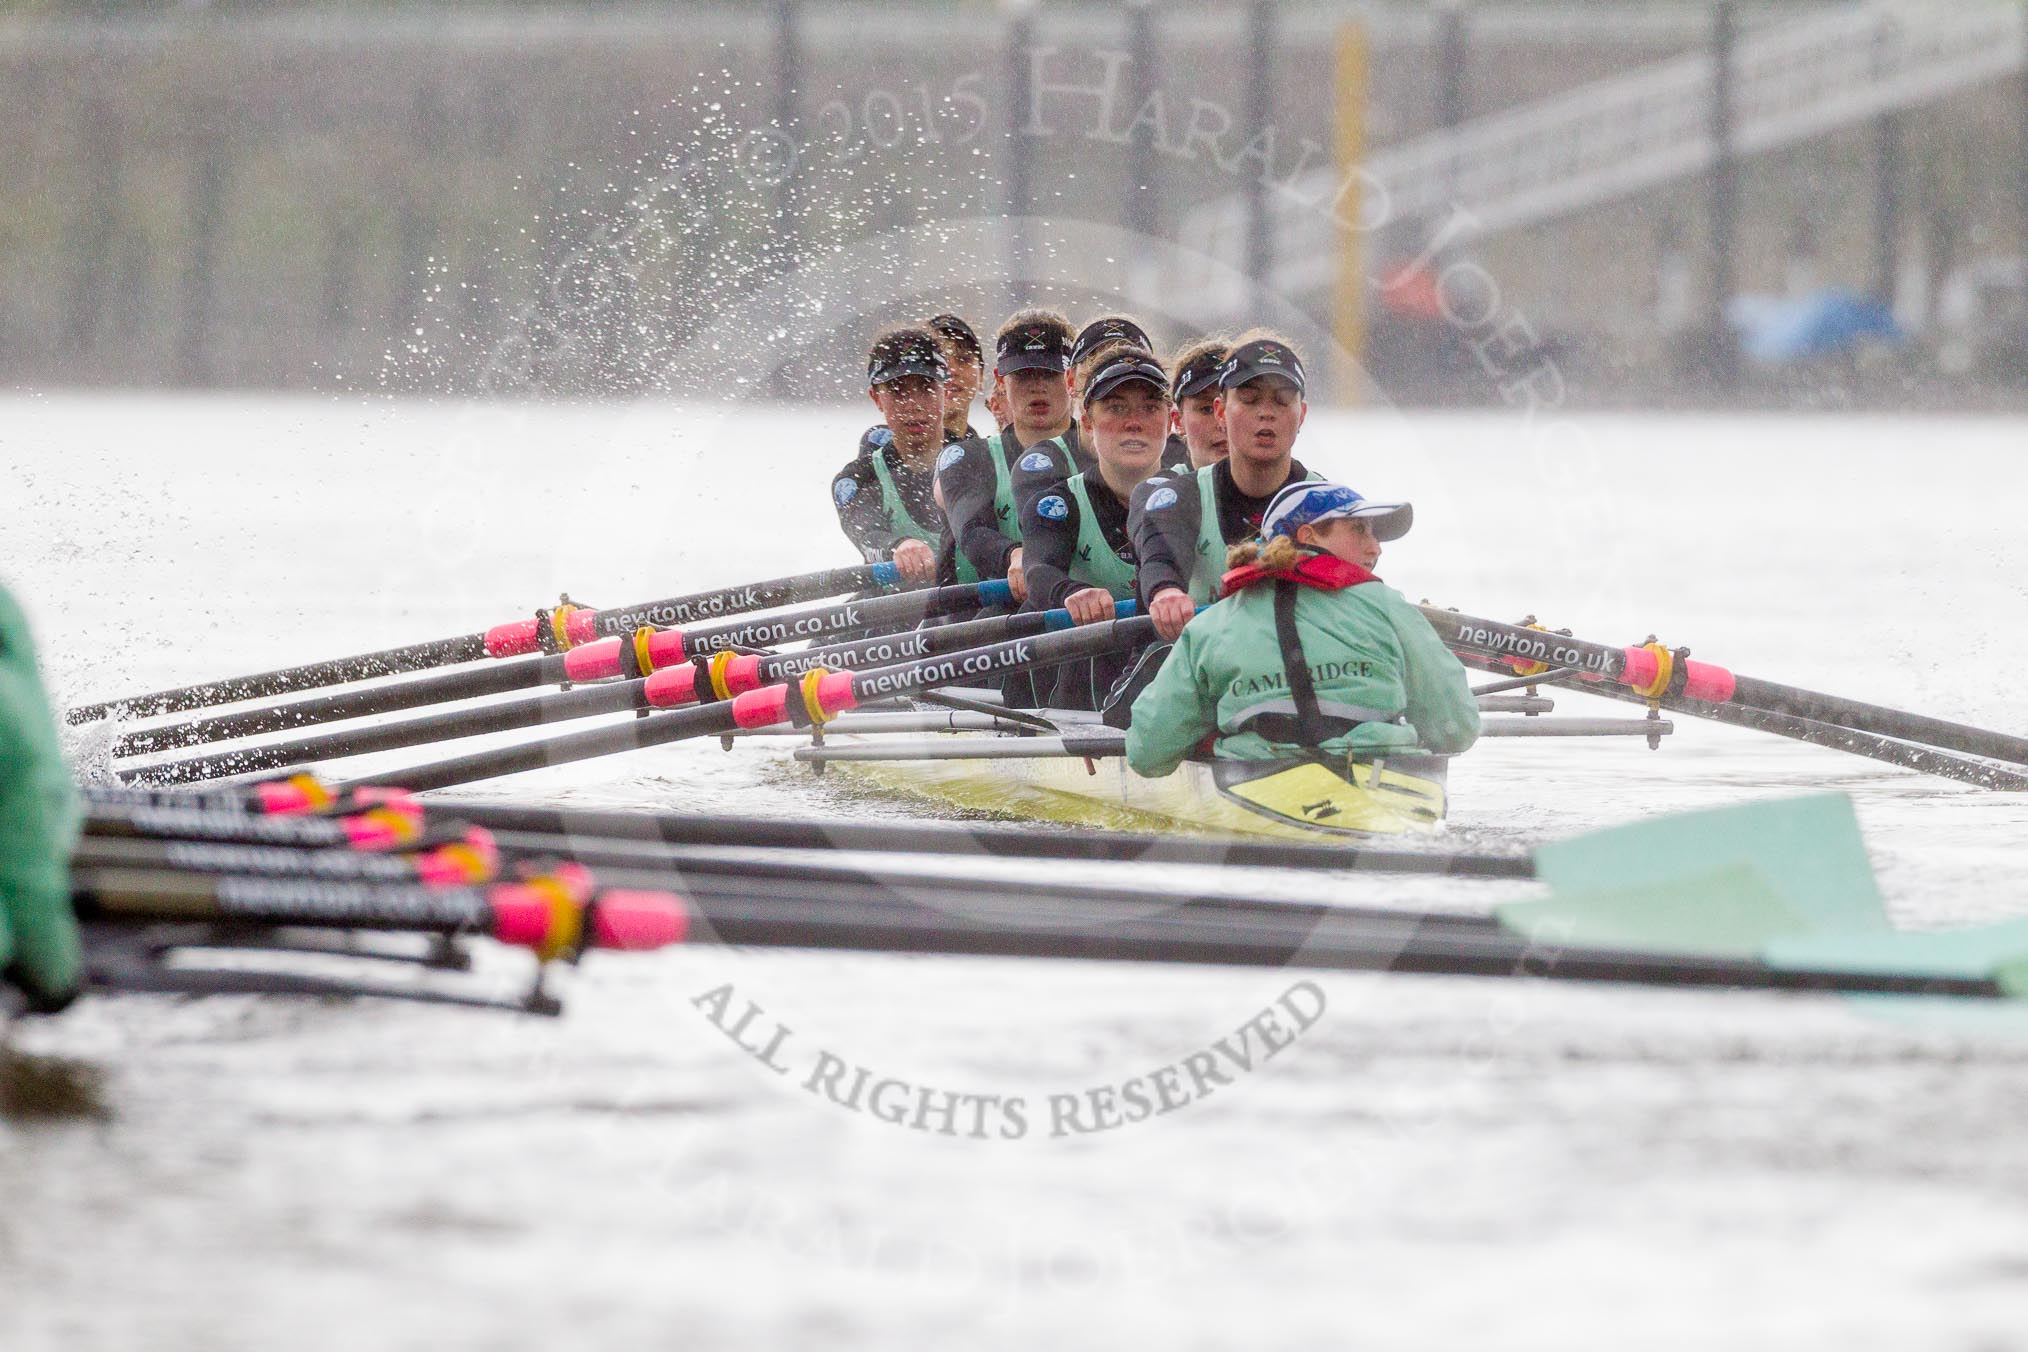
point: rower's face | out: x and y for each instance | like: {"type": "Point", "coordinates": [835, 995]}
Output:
{"type": "Point", "coordinates": [1262, 418]}
{"type": "Point", "coordinates": [967, 374]}
{"type": "Point", "coordinates": [913, 409]}
{"type": "Point", "coordinates": [1037, 398]}
{"type": "Point", "coordinates": [1129, 427]}
{"type": "Point", "coordinates": [1350, 538]}
{"type": "Point", "coordinates": [1196, 420]}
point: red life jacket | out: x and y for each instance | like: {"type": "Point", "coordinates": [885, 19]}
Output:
{"type": "Point", "coordinates": [1325, 572]}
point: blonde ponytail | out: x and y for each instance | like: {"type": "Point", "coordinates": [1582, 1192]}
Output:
{"type": "Point", "coordinates": [1280, 554]}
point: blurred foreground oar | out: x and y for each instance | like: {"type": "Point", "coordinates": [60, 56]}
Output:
{"type": "Point", "coordinates": [648, 650]}
{"type": "Point", "coordinates": [1652, 670]}
{"type": "Point", "coordinates": [567, 623]}
{"type": "Point", "coordinates": [555, 914]}
{"type": "Point", "coordinates": [592, 828]}
{"type": "Point", "coordinates": [1772, 896]}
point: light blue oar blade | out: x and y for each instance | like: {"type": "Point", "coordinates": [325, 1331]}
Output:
{"type": "Point", "coordinates": [1997, 951]}
{"type": "Point", "coordinates": [1807, 851]}
{"type": "Point", "coordinates": [1730, 911]}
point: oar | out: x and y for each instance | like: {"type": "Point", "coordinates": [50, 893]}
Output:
{"type": "Point", "coordinates": [473, 859]}
{"type": "Point", "coordinates": [1653, 669]}
{"type": "Point", "coordinates": [596, 826]}
{"type": "Point", "coordinates": [513, 639]}
{"type": "Point", "coordinates": [1775, 896]}
{"type": "Point", "coordinates": [391, 826]}
{"type": "Point", "coordinates": [1928, 760]}
{"type": "Point", "coordinates": [670, 688]}
{"type": "Point", "coordinates": [1317, 939]}
{"type": "Point", "coordinates": [556, 915]}
{"type": "Point", "coordinates": [602, 658]}
{"type": "Point", "coordinates": [818, 697]}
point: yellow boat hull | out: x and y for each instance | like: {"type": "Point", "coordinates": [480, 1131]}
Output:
{"type": "Point", "coordinates": [1290, 800]}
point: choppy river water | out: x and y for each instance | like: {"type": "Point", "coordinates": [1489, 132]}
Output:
{"type": "Point", "coordinates": [1433, 1163]}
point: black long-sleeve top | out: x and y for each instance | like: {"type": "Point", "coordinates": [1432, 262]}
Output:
{"type": "Point", "coordinates": [969, 486]}
{"type": "Point", "coordinates": [1033, 478]}
{"type": "Point", "coordinates": [862, 503]}
{"type": "Point", "coordinates": [1049, 545]}
{"type": "Point", "coordinates": [1165, 540]}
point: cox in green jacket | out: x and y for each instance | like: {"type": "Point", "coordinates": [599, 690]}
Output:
{"type": "Point", "coordinates": [38, 824]}
{"type": "Point", "coordinates": [1373, 660]}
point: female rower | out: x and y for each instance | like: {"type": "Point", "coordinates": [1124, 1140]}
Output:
{"type": "Point", "coordinates": [1032, 353]}
{"type": "Point", "coordinates": [886, 497]}
{"type": "Point", "coordinates": [39, 950]}
{"type": "Point", "coordinates": [967, 361]}
{"type": "Point", "coordinates": [1074, 534]}
{"type": "Point", "coordinates": [1048, 463]}
{"type": "Point", "coordinates": [1309, 653]}
{"type": "Point", "coordinates": [1194, 417]}
{"type": "Point", "coordinates": [1182, 525]}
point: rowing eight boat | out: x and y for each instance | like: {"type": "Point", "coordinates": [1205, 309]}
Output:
{"type": "Point", "coordinates": [1067, 767]}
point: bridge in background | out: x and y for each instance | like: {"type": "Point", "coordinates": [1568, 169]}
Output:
{"type": "Point", "coordinates": [1783, 83]}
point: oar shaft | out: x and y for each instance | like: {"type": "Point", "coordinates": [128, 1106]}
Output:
{"type": "Point", "coordinates": [266, 861]}
{"type": "Point", "coordinates": [582, 664]}
{"type": "Point", "coordinates": [524, 636]}
{"type": "Point", "coordinates": [633, 735]}
{"type": "Point", "coordinates": [513, 639]}
{"type": "Point", "coordinates": [367, 831]}
{"type": "Point", "coordinates": [477, 722]}
{"type": "Point", "coordinates": [666, 649]}
{"type": "Point", "coordinates": [1810, 704]}
{"type": "Point", "coordinates": [840, 691]}
{"type": "Point", "coordinates": [685, 684]}
{"type": "Point", "coordinates": [262, 685]}
{"type": "Point", "coordinates": [964, 883]}
{"type": "Point", "coordinates": [1927, 760]}
{"type": "Point", "coordinates": [1698, 686]}
{"type": "Point", "coordinates": [830, 693]}
{"type": "Point", "coordinates": [159, 895]}
{"type": "Point", "coordinates": [745, 674]}
{"type": "Point", "coordinates": [617, 828]}
{"type": "Point", "coordinates": [493, 679]}
{"type": "Point", "coordinates": [1351, 942]}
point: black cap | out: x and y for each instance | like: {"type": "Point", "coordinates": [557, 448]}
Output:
{"type": "Point", "coordinates": [911, 352]}
{"type": "Point", "coordinates": [1123, 368]}
{"type": "Point", "coordinates": [959, 332]}
{"type": "Point", "coordinates": [1112, 329]}
{"type": "Point", "coordinates": [1261, 357]}
{"type": "Point", "coordinates": [1032, 347]}
{"type": "Point", "coordinates": [1198, 374]}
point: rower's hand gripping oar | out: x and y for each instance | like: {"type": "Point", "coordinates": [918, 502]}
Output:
{"type": "Point", "coordinates": [551, 630]}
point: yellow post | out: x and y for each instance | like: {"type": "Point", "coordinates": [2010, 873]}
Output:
{"type": "Point", "coordinates": [1348, 308]}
